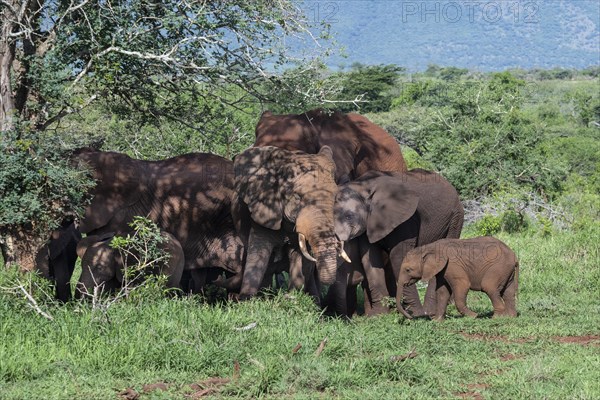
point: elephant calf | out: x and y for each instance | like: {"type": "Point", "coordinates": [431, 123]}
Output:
{"type": "Point", "coordinates": [482, 263]}
{"type": "Point", "coordinates": [103, 265]}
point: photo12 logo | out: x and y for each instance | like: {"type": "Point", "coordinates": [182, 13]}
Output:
{"type": "Point", "coordinates": [319, 12]}
{"type": "Point", "coordinates": [458, 11]}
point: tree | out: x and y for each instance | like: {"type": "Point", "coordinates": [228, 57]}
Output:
{"type": "Point", "coordinates": [150, 57]}
{"type": "Point", "coordinates": [158, 60]}
{"type": "Point", "coordinates": [369, 85]}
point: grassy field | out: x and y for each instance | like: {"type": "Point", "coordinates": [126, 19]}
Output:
{"type": "Point", "coordinates": [177, 348]}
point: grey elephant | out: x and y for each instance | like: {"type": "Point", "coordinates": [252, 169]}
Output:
{"type": "Point", "coordinates": [188, 196]}
{"type": "Point", "coordinates": [103, 266]}
{"type": "Point", "coordinates": [56, 259]}
{"type": "Point", "coordinates": [457, 266]}
{"type": "Point", "coordinates": [387, 214]}
{"type": "Point", "coordinates": [285, 200]}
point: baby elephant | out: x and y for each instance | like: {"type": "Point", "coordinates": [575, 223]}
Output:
{"type": "Point", "coordinates": [103, 265]}
{"type": "Point", "coordinates": [482, 263]}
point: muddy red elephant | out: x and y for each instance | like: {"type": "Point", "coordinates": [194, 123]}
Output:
{"type": "Point", "coordinates": [188, 196]}
{"type": "Point", "coordinates": [285, 198]}
{"type": "Point", "coordinates": [358, 145]}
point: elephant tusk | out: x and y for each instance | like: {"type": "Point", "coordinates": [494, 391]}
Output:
{"type": "Point", "coordinates": [343, 253]}
{"type": "Point", "coordinates": [302, 243]}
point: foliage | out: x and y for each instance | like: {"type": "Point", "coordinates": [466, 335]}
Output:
{"type": "Point", "coordinates": [182, 69]}
{"type": "Point", "coordinates": [38, 187]}
{"type": "Point", "coordinates": [548, 351]}
{"type": "Point", "coordinates": [369, 85]}
{"type": "Point", "coordinates": [587, 107]}
{"type": "Point", "coordinates": [156, 61]}
{"type": "Point", "coordinates": [141, 254]}
{"type": "Point", "coordinates": [478, 134]}
{"type": "Point", "coordinates": [489, 225]}
{"type": "Point", "coordinates": [445, 73]}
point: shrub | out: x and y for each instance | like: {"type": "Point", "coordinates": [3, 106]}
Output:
{"type": "Point", "coordinates": [512, 222]}
{"type": "Point", "coordinates": [488, 225]}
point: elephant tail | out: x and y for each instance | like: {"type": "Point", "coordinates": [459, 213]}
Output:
{"type": "Point", "coordinates": [516, 279]}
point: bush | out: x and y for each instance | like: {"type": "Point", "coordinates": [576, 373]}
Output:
{"type": "Point", "coordinates": [141, 254]}
{"type": "Point", "coordinates": [513, 222]}
{"type": "Point", "coordinates": [38, 186]}
{"type": "Point", "coordinates": [489, 225]}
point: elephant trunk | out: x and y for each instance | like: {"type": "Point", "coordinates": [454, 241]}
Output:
{"type": "Point", "coordinates": [316, 226]}
{"type": "Point", "coordinates": [400, 299]}
{"type": "Point", "coordinates": [326, 263]}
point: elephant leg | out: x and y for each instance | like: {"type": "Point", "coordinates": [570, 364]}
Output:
{"type": "Point", "coordinates": [491, 288]}
{"type": "Point", "coordinates": [338, 295]}
{"type": "Point", "coordinates": [311, 280]}
{"type": "Point", "coordinates": [62, 277]}
{"type": "Point", "coordinates": [260, 246]}
{"type": "Point", "coordinates": [375, 288]}
{"type": "Point", "coordinates": [351, 301]}
{"type": "Point", "coordinates": [430, 301]}
{"type": "Point", "coordinates": [297, 279]}
{"type": "Point", "coordinates": [198, 280]}
{"type": "Point", "coordinates": [497, 303]}
{"type": "Point", "coordinates": [509, 295]}
{"type": "Point", "coordinates": [174, 266]}
{"type": "Point", "coordinates": [460, 291]}
{"type": "Point", "coordinates": [442, 296]}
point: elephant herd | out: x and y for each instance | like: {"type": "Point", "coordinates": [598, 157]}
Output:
{"type": "Point", "coordinates": [322, 195]}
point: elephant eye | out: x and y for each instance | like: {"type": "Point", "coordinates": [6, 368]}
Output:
{"type": "Point", "coordinates": [348, 217]}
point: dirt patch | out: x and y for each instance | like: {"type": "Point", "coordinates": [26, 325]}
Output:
{"type": "Point", "coordinates": [129, 394]}
{"type": "Point", "coordinates": [207, 387]}
{"type": "Point", "coordinates": [495, 338]}
{"type": "Point", "coordinates": [471, 392]}
{"type": "Point", "coordinates": [586, 340]}
{"type": "Point", "coordinates": [510, 357]}
{"type": "Point", "coordinates": [155, 386]}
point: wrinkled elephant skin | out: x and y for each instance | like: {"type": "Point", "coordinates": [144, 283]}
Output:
{"type": "Point", "coordinates": [459, 265]}
{"type": "Point", "coordinates": [285, 198]}
{"type": "Point", "coordinates": [188, 196]}
{"type": "Point", "coordinates": [358, 145]}
{"type": "Point", "coordinates": [386, 215]}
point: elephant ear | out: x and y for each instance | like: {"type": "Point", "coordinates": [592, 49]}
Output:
{"type": "Point", "coordinates": [433, 264]}
{"type": "Point", "coordinates": [119, 184]}
{"type": "Point", "coordinates": [392, 203]}
{"type": "Point", "coordinates": [259, 183]}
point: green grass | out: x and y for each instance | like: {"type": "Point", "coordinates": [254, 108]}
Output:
{"type": "Point", "coordinates": [82, 354]}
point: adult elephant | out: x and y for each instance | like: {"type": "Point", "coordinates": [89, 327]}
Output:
{"type": "Point", "coordinates": [188, 196]}
{"type": "Point", "coordinates": [104, 267]}
{"type": "Point", "coordinates": [285, 198]}
{"type": "Point", "coordinates": [393, 213]}
{"type": "Point", "coordinates": [357, 144]}
{"type": "Point", "coordinates": [56, 259]}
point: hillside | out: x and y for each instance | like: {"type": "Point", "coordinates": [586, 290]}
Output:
{"type": "Point", "coordinates": [486, 36]}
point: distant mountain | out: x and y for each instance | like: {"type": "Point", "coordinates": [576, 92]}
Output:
{"type": "Point", "coordinates": [483, 35]}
